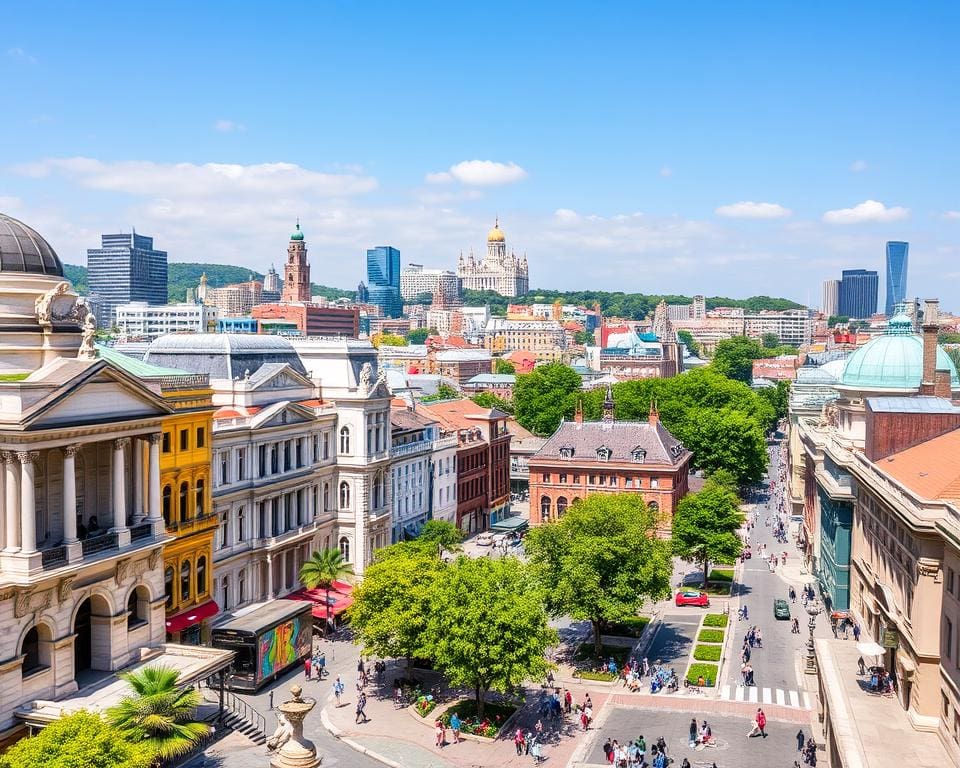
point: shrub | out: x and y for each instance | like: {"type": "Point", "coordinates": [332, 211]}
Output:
{"type": "Point", "coordinates": [709, 672]}
{"type": "Point", "coordinates": [632, 627]}
{"type": "Point", "coordinates": [707, 652]}
{"type": "Point", "coordinates": [710, 636]}
{"type": "Point", "coordinates": [494, 717]}
{"type": "Point", "coordinates": [425, 704]}
{"type": "Point", "coordinates": [715, 620]}
{"type": "Point", "coordinates": [588, 674]}
{"type": "Point", "coordinates": [619, 653]}
{"type": "Point", "coordinates": [721, 574]}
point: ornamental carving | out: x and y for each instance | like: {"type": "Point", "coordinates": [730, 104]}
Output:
{"type": "Point", "coordinates": [28, 457]}
{"type": "Point", "coordinates": [121, 443]}
{"type": "Point", "coordinates": [72, 450]}
{"type": "Point", "coordinates": [155, 438]}
{"type": "Point", "coordinates": [57, 304]}
{"type": "Point", "coordinates": [21, 605]}
{"type": "Point", "coordinates": [928, 567]}
{"type": "Point", "coordinates": [47, 600]}
{"type": "Point", "coordinates": [87, 349]}
{"type": "Point", "coordinates": [154, 559]}
{"type": "Point", "coordinates": [64, 588]}
{"type": "Point", "coordinates": [123, 570]}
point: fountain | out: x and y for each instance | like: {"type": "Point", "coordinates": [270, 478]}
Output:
{"type": "Point", "coordinates": [290, 748]}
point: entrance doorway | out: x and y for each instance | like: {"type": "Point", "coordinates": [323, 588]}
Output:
{"type": "Point", "coordinates": [83, 640]}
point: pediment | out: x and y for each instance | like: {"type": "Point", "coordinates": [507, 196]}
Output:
{"type": "Point", "coordinates": [283, 414]}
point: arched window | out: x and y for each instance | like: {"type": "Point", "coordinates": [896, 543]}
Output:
{"type": "Point", "coordinates": [167, 504]}
{"type": "Point", "coordinates": [561, 505]}
{"type": "Point", "coordinates": [241, 527]}
{"type": "Point", "coordinates": [344, 439]}
{"type": "Point", "coordinates": [184, 501]}
{"type": "Point", "coordinates": [225, 594]}
{"type": "Point", "coordinates": [326, 497]}
{"type": "Point", "coordinates": [31, 651]}
{"type": "Point", "coordinates": [653, 507]}
{"type": "Point", "coordinates": [138, 607]}
{"type": "Point", "coordinates": [199, 497]}
{"type": "Point", "coordinates": [185, 580]}
{"type": "Point", "coordinates": [168, 585]}
{"type": "Point", "coordinates": [545, 507]}
{"type": "Point", "coordinates": [242, 586]}
{"type": "Point", "coordinates": [224, 521]}
{"type": "Point", "coordinates": [344, 495]}
{"type": "Point", "coordinates": [201, 575]}
{"type": "Point", "coordinates": [345, 548]}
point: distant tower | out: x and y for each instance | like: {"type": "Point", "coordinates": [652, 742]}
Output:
{"type": "Point", "coordinates": [898, 253]}
{"type": "Point", "coordinates": [296, 285]}
{"type": "Point", "coordinates": [202, 289]}
{"type": "Point", "coordinates": [608, 404]}
{"type": "Point", "coordinates": [271, 281]}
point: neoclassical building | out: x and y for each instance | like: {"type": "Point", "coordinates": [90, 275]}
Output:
{"type": "Point", "coordinates": [507, 274]}
{"type": "Point", "coordinates": [81, 578]}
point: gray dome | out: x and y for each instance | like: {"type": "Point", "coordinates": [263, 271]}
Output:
{"type": "Point", "coordinates": [222, 355]}
{"type": "Point", "coordinates": [22, 249]}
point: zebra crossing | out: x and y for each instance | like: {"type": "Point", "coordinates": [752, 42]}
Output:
{"type": "Point", "coordinates": [755, 695]}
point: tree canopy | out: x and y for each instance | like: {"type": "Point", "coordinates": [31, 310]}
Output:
{"type": "Point", "coordinates": [542, 398]}
{"type": "Point", "coordinates": [503, 366]}
{"type": "Point", "coordinates": [444, 392]}
{"type": "Point", "coordinates": [734, 358]}
{"type": "Point", "coordinates": [705, 525]}
{"type": "Point", "coordinates": [388, 340]}
{"type": "Point", "coordinates": [726, 439]}
{"type": "Point", "coordinates": [601, 560]}
{"type": "Point", "coordinates": [490, 400]}
{"type": "Point", "coordinates": [419, 335]}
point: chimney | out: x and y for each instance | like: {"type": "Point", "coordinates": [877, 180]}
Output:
{"type": "Point", "coordinates": [608, 405]}
{"type": "Point", "coordinates": [931, 328]}
{"type": "Point", "coordinates": [654, 417]}
{"type": "Point", "coordinates": [578, 415]}
{"type": "Point", "coordinates": [941, 383]}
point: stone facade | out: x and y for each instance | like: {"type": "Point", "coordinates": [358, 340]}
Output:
{"type": "Point", "coordinates": [506, 274]}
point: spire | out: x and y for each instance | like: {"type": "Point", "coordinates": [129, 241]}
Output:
{"type": "Point", "coordinates": [654, 417]}
{"type": "Point", "coordinates": [608, 404]}
{"type": "Point", "coordinates": [578, 415]}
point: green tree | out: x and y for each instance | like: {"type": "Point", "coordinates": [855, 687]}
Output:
{"type": "Point", "coordinates": [778, 397]}
{"type": "Point", "coordinates": [734, 358]}
{"type": "Point", "coordinates": [419, 335]}
{"type": "Point", "coordinates": [584, 337]}
{"type": "Point", "coordinates": [545, 396]}
{"type": "Point", "coordinates": [439, 535]}
{"type": "Point", "coordinates": [488, 628]}
{"type": "Point", "coordinates": [160, 713]}
{"type": "Point", "coordinates": [393, 604]}
{"type": "Point", "coordinates": [80, 740]}
{"type": "Point", "coordinates": [705, 526]}
{"type": "Point", "coordinates": [490, 400]}
{"type": "Point", "coordinates": [444, 392]}
{"type": "Point", "coordinates": [688, 341]}
{"type": "Point", "coordinates": [835, 320]}
{"type": "Point", "coordinates": [770, 340]}
{"type": "Point", "coordinates": [387, 340]}
{"type": "Point", "coordinates": [726, 439]}
{"type": "Point", "coordinates": [322, 569]}
{"type": "Point", "coordinates": [503, 366]}
{"type": "Point", "coordinates": [601, 560]}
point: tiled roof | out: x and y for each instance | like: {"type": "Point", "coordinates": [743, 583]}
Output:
{"type": "Point", "coordinates": [621, 437]}
{"type": "Point", "coordinates": [456, 414]}
{"type": "Point", "coordinates": [931, 469]}
{"type": "Point", "coordinates": [406, 419]}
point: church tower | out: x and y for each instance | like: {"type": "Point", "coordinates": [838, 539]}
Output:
{"type": "Point", "coordinates": [296, 284]}
{"type": "Point", "coordinates": [496, 245]}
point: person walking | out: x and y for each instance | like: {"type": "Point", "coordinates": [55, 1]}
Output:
{"type": "Point", "coordinates": [801, 740]}
{"type": "Point", "coordinates": [567, 701]}
{"type": "Point", "coordinates": [693, 733]}
{"type": "Point", "coordinates": [861, 666]}
{"type": "Point", "coordinates": [662, 745]}
{"type": "Point", "coordinates": [455, 727]}
{"type": "Point", "coordinates": [338, 690]}
{"type": "Point", "coordinates": [361, 704]}
{"type": "Point", "coordinates": [856, 632]}
{"type": "Point", "coordinates": [608, 751]}
{"type": "Point", "coordinates": [518, 741]}
{"type": "Point", "coordinates": [306, 667]}
{"type": "Point", "coordinates": [440, 732]}
{"type": "Point", "coordinates": [761, 722]}
{"type": "Point", "coordinates": [322, 664]}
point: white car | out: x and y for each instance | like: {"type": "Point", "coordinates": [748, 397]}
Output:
{"type": "Point", "coordinates": [485, 540]}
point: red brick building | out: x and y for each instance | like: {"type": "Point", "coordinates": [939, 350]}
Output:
{"type": "Point", "coordinates": [313, 319]}
{"type": "Point", "coordinates": [608, 456]}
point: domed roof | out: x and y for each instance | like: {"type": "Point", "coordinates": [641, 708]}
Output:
{"type": "Point", "coordinates": [298, 235]}
{"type": "Point", "coordinates": [893, 360]}
{"type": "Point", "coordinates": [495, 235]}
{"type": "Point", "coordinates": [222, 355]}
{"type": "Point", "coordinates": [22, 249]}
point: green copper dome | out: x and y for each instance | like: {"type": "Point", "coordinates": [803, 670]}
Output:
{"type": "Point", "coordinates": [893, 361]}
{"type": "Point", "coordinates": [298, 235]}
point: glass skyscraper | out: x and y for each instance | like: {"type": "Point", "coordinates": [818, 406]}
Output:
{"type": "Point", "coordinates": [383, 279]}
{"type": "Point", "coordinates": [858, 293]}
{"type": "Point", "coordinates": [125, 268]}
{"type": "Point", "coordinates": [897, 257]}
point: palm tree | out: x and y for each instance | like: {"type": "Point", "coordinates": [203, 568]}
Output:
{"type": "Point", "coordinates": [322, 569]}
{"type": "Point", "coordinates": [160, 712]}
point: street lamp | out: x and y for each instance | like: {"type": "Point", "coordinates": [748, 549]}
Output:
{"type": "Point", "coordinates": [813, 610]}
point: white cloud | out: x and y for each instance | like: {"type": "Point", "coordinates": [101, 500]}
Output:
{"type": "Point", "coordinates": [228, 126]}
{"type": "Point", "coordinates": [18, 54]}
{"type": "Point", "coordinates": [8, 204]}
{"type": "Point", "coordinates": [858, 166]}
{"type": "Point", "coordinates": [190, 181]}
{"type": "Point", "coordinates": [951, 215]}
{"type": "Point", "coordinates": [666, 172]}
{"type": "Point", "coordinates": [479, 173]}
{"type": "Point", "coordinates": [867, 211]}
{"type": "Point", "coordinates": [751, 210]}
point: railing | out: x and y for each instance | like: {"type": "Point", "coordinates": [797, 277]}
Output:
{"type": "Point", "coordinates": [100, 543]}
{"type": "Point", "coordinates": [54, 557]}
{"type": "Point", "coordinates": [245, 712]}
{"type": "Point", "coordinates": [410, 448]}
{"type": "Point", "coordinates": [176, 525]}
{"type": "Point", "coordinates": [142, 531]}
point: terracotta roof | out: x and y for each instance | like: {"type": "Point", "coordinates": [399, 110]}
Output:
{"type": "Point", "coordinates": [228, 412]}
{"type": "Point", "coordinates": [312, 403]}
{"type": "Point", "coordinates": [621, 437]}
{"type": "Point", "coordinates": [455, 414]}
{"type": "Point", "coordinates": [931, 469]}
{"type": "Point", "coordinates": [404, 419]}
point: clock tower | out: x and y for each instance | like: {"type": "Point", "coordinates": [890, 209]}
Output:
{"type": "Point", "coordinates": [296, 277]}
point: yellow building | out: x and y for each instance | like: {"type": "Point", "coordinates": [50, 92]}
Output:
{"type": "Point", "coordinates": [185, 496]}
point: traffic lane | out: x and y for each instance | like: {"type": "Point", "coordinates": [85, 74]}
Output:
{"type": "Point", "coordinates": [674, 640]}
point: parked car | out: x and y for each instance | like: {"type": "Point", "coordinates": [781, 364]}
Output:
{"type": "Point", "coordinates": [485, 540]}
{"type": "Point", "coordinates": [781, 609]}
{"type": "Point", "coordinates": [692, 597]}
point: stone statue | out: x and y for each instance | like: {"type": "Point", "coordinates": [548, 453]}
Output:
{"type": "Point", "coordinates": [292, 749]}
{"type": "Point", "coordinates": [87, 351]}
{"type": "Point", "coordinates": [366, 378]}
{"type": "Point", "coordinates": [282, 735]}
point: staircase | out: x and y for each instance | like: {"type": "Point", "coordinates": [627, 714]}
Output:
{"type": "Point", "coordinates": [238, 716]}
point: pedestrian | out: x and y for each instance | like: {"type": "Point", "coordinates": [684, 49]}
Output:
{"type": "Point", "coordinates": [518, 741]}
{"type": "Point", "coordinates": [759, 638]}
{"type": "Point", "coordinates": [550, 679]}
{"type": "Point", "coordinates": [322, 663]}
{"type": "Point", "coordinates": [693, 733]}
{"type": "Point", "coordinates": [856, 632]}
{"type": "Point", "coordinates": [801, 740]}
{"type": "Point", "coordinates": [833, 627]}
{"type": "Point", "coordinates": [271, 700]}
{"type": "Point", "coordinates": [796, 626]}
{"type": "Point", "coordinates": [306, 667]}
{"type": "Point", "coordinates": [662, 745]}
{"type": "Point", "coordinates": [685, 763]}
{"type": "Point", "coordinates": [793, 595]}
{"type": "Point", "coordinates": [440, 732]}
{"type": "Point", "coordinates": [361, 703]}
{"type": "Point", "coordinates": [641, 747]}
{"type": "Point", "coordinates": [538, 728]}
{"type": "Point", "coordinates": [567, 701]}
{"type": "Point", "coordinates": [761, 722]}
{"type": "Point", "coordinates": [338, 690]}
{"type": "Point", "coordinates": [861, 666]}
{"type": "Point", "coordinates": [455, 727]}
{"type": "Point", "coordinates": [584, 721]}
{"type": "Point", "coordinates": [608, 751]}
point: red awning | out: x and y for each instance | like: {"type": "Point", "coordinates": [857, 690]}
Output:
{"type": "Point", "coordinates": [340, 599]}
{"type": "Point", "coordinates": [192, 616]}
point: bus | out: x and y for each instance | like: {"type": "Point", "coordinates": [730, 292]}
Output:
{"type": "Point", "coordinates": [267, 642]}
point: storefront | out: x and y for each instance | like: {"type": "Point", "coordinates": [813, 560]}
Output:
{"type": "Point", "coordinates": [191, 627]}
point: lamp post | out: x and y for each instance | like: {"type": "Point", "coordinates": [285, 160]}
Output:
{"type": "Point", "coordinates": [813, 610]}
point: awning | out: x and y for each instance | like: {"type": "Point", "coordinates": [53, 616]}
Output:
{"type": "Point", "coordinates": [192, 616]}
{"type": "Point", "coordinates": [513, 524]}
{"type": "Point", "coordinates": [871, 649]}
{"type": "Point", "coordinates": [340, 599]}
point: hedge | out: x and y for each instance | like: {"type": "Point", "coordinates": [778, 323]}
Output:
{"type": "Point", "coordinates": [721, 574]}
{"type": "Point", "coordinates": [715, 620]}
{"type": "Point", "coordinates": [709, 672]}
{"type": "Point", "coordinates": [587, 674]}
{"type": "Point", "coordinates": [710, 636]}
{"type": "Point", "coordinates": [707, 652]}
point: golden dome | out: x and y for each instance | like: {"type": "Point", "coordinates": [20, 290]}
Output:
{"type": "Point", "coordinates": [495, 235]}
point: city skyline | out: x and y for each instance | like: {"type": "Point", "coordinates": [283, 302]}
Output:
{"type": "Point", "coordinates": [603, 171]}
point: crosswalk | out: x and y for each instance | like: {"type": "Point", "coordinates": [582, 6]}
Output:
{"type": "Point", "coordinates": [755, 695]}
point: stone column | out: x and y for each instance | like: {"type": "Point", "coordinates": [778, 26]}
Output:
{"type": "Point", "coordinates": [267, 532]}
{"type": "Point", "coordinates": [118, 471]}
{"type": "Point", "coordinates": [70, 494]}
{"type": "Point", "coordinates": [153, 480]}
{"type": "Point", "coordinates": [12, 492]}
{"type": "Point", "coordinates": [3, 507]}
{"type": "Point", "coordinates": [269, 577]}
{"type": "Point", "coordinates": [28, 502]}
{"type": "Point", "coordinates": [137, 460]}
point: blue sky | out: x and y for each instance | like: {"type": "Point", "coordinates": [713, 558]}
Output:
{"type": "Point", "coordinates": [734, 148]}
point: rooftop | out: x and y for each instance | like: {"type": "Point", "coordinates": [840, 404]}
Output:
{"type": "Point", "coordinates": [222, 355]}
{"type": "Point", "coordinates": [930, 469]}
{"type": "Point", "coordinates": [454, 415]}
{"type": "Point", "coordinates": [622, 438]}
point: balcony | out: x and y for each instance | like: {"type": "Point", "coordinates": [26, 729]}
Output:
{"type": "Point", "coordinates": [410, 449]}
{"type": "Point", "coordinates": [54, 557]}
{"type": "Point", "coordinates": [450, 441]}
{"type": "Point", "coordinates": [142, 531]}
{"type": "Point", "coordinates": [95, 544]}
{"type": "Point", "coordinates": [193, 525]}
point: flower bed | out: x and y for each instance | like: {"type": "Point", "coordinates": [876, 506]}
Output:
{"type": "Point", "coordinates": [709, 672]}
{"type": "Point", "coordinates": [710, 636]}
{"type": "Point", "coordinates": [707, 652]}
{"type": "Point", "coordinates": [424, 704]}
{"type": "Point", "coordinates": [716, 620]}
{"type": "Point", "coordinates": [494, 717]}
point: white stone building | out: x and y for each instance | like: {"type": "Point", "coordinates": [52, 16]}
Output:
{"type": "Point", "coordinates": [143, 321]}
{"type": "Point", "coordinates": [444, 472]}
{"type": "Point", "coordinates": [507, 274]}
{"type": "Point", "coordinates": [411, 451]}
{"type": "Point", "coordinates": [415, 280]}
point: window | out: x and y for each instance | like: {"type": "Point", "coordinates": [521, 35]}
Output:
{"type": "Point", "coordinates": [185, 581]}
{"type": "Point", "coordinates": [201, 575]}
{"type": "Point", "coordinates": [638, 455]}
{"type": "Point", "coordinates": [242, 586]}
{"type": "Point", "coordinates": [223, 530]}
{"type": "Point", "coordinates": [576, 479]}
{"type": "Point", "coordinates": [137, 606]}
{"type": "Point", "coordinates": [345, 548]}
{"type": "Point", "coordinates": [168, 585]}
{"type": "Point", "coordinates": [274, 459]}
{"type": "Point", "coordinates": [603, 453]}
{"type": "Point", "coordinates": [262, 460]}
{"type": "Point", "coordinates": [951, 577]}
{"type": "Point", "coordinates": [592, 480]}
{"type": "Point", "coordinates": [563, 477]}
{"type": "Point", "coordinates": [561, 505]}
{"type": "Point", "coordinates": [545, 507]}
{"type": "Point", "coordinates": [201, 437]}
{"type": "Point", "coordinates": [344, 495]}
{"type": "Point", "coordinates": [167, 503]}
{"type": "Point", "coordinates": [326, 446]}
{"type": "Point", "coordinates": [326, 497]}
{"type": "Point", "coordinates": [199, 495]}
{"type": "Point", "coordinates": [31, 651]}
{"type": "Point", "coordinates": [603, 479]}
{"type": "Point", "coordinates": [166, 442]}
{"type": "Point", "coordinates": [184, 496]}
{"type": "Point", "coordinates": [241, 463]}
{"type": "Point", "coordinates": [223, 468]}
{"type": "Point", "coordinates": [654, 482]}
{"type": "Point", "coordinates": [546, 477]}
{"type": "Point", "coordinates": [184, 439]}
{"type": "Point", "coordinates": [345, 440]}
{"type": "Point", "coordinates": [241, 527]}
{"type": "Point", "coordinates": [566, 452]}
{"type": "Point", "coordinates": [225, 594]}
{"type": "Point", "coordinates": [298, 453]}
{"type": "Point", "coordinates": [948, 637]}
{"type": "Point", "coordinates": [628, 482]}
{"type": "Point", "coordinates": [653, 507]}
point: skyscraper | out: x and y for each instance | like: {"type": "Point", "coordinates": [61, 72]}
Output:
{"type": "Point", "coordinates": [125, 268]}
{"type": "Point", "coordinates": [296, 280]}
{"type": "Point", "coordinates": [858, 292]}
{"type": "Point", "coordinates": [830, 305]}
{"type": "Point", "coordinates": [897, 257]}
{"type": "Point", "coordinates": [383, 279]}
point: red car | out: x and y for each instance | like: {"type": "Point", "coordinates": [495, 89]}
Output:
{"type": "Point", "coordinates": [692, 597]}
